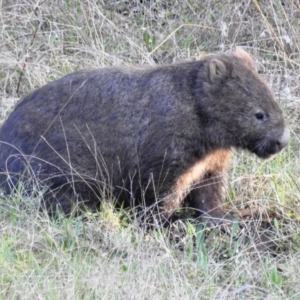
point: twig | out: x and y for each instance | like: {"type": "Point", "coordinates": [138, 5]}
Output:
{"type": "Point", "coordinates": [31, 43]}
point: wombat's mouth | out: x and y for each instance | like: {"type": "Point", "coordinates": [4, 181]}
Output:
{"type": "Point", "coordinates": [263, 155]}
{"type": "Point", "coordinates": [267, 146]}
{"type": "Point", "coordinates": [266, 149]}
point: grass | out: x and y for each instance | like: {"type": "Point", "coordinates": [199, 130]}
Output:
{"type": "Point", "coordinates": [106, 255]}
{"type": "Point", "coordinates": [90, 259]}
{"type": "Point", "coordinates": [93, 259]}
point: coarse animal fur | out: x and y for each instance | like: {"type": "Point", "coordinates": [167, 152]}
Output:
{"type": "Point", "coordinates": [161, 135]}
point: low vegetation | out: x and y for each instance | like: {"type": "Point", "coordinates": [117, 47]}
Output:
{"type": "Point", "coordinates": [108, 255]}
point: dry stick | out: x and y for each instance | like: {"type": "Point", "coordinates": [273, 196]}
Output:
{"type": "Point", "coordinates": [240, 290]}
{"type": "Point", "coordinates": [31, 43]}
{"type": "Point", "coordinates": [24, 65]}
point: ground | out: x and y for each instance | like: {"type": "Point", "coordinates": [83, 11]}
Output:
{"type": "Point", "coordinates": [106, 255]}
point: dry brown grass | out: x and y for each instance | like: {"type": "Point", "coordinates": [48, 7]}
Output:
{"type": "Point", "coordinates": [107, 256]}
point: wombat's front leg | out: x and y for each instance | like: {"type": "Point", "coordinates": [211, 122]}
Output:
{"type": "Point", "coordinates": [207, 199]}
{"type": "Point", "coordinates": [202, 186]}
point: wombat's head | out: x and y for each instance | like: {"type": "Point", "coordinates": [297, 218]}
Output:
{"type": "Point", "coordinates": [244, 106]}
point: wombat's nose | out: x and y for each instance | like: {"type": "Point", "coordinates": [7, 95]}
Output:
{"type": "Point", "coordinates": [285, 138]}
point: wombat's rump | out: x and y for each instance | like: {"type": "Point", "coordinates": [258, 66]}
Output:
{"type": "Point", "coordinates": [148, 136]}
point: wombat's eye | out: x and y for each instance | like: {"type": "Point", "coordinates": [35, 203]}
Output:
{"type": "Point", "coordinates": [259, 116]}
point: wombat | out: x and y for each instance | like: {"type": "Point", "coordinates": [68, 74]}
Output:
{"type": "Point", "coordinates": [159, 136]}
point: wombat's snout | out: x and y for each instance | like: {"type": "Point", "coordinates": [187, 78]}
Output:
{"type": "Point", "coordinates": [284, 140]}
{"type": "Point", "coordinates": [269, 146]}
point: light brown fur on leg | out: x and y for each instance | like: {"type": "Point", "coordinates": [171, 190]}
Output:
{"type": "Point", "coordinates": [204, 183]}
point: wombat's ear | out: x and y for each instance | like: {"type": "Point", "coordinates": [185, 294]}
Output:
{"type": "Point", "coordinates": [245, 57]}
{"type": "Point", "coordinates": [217, 70]}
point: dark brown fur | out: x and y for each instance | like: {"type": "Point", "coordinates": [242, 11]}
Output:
{"type": "Point", "coordinates": [155, 135]}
